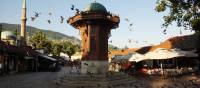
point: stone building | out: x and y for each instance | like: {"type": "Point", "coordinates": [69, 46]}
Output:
{"type": "Point", "coordinates": [9, 37]}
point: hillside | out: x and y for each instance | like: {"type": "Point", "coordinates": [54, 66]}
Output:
{"type": "Point", "coordinates": [32, 30]}
{"type": "Point", "coordinates": [50, 34]}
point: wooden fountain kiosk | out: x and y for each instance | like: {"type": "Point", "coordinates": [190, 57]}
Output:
{"type": "Point", "coordinates": [94, 24]}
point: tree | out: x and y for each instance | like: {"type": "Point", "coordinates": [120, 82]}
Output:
{"type": "Point", "coordinates": [77, 48]}
{"type": "Point", "coordinates": [16, 32]}
{"type": "Point", "coordinates": [39, 40]}
{"type": "Point", "coordinates": [186, 13]}
{"type": "Point", "coordinates": [69, 49]}
{"type": "Point", "coordinates": [56, 49]}
{"type": "Point", "coordinates": [48, 47]}
{"type": "Point", "coordinates": [111, 47]}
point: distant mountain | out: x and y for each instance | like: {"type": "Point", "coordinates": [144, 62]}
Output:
{"type": "Point", "coordinates": [50, 34]}
{"type": "Point", "coordinates": [32, 30]}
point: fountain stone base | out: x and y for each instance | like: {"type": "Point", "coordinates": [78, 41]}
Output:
{"type": "Point", "coordinates": [109, 80]}
{"type": "Point", "coordinates": [94, 67]}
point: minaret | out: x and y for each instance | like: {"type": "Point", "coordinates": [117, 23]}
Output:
{"type": "Point", "coordinates": [23, 23]}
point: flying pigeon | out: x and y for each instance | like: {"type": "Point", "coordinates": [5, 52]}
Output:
{"type": "Point", "coordinates": [126, 19]}
{"type": "Point", "coordinates": [50, 13]}
{"type": "Point", "coordinates": [180, 32]}
{"type": "Point", "coordinates": [129, 40]}
{"type": "Point", "coordinates": [49, 21]}
{"type": "Point", "coordinates": [37, 14]}
{"type": "Point", "coordinates": [77, 10]}
{"type": "Point", "coordinates": [130, 29]}
{"type": "Point", "coordinates": [131, 24]}
{"type": "Point", "coordinates": [33, 18]}
{"type": "Point", "coordinates": [136, 41]}
{"type": "Point", "coordinates": [164, 31]}
{"type": "Point", "coordinates": [62, 18]}
{"type": "Point", "coordinates": [72, 7]}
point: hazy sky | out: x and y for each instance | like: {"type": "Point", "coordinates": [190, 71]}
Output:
{"type": "Point", "coordinates": [146, 21]}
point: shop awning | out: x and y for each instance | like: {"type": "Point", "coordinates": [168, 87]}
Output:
{"type": "Point", "coordinates": [162, 53]}
{"type": "Point", "coordinates": [137, 57]}
{"type": "Point", "coordinates": [47, 57]}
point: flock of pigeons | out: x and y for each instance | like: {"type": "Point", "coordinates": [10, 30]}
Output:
{"type": "Point", "coordinates": [130, 28]}
{"type": "Point", "coordinates": [130, 24]}
{"type": "Point", "coordinates": [37, 14]}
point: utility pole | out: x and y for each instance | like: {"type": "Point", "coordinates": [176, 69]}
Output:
{"type": "Point", "coordinates": [1, 28]}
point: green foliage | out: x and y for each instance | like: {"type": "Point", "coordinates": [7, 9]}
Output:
{"type": "Point", "coordinates": [56, 49]}
{"type": "Point", "coordinates": [69, 48]}
{"type": "Point", "coordinates": [111, 47]}
{"type": "Point", "coordinates": [48, 47]}
{"type": "Point", "coordinates": [39, 40]}
{"type": "Point", "coordinates": [196, 25]}
{"type": "Point", "coordinates": [161, 6]}
{"type": "Point", "coordinates": [49, 34]}
{"type": "Point", "coordinates": [183, 12]}
{"type": "Point", "coordinates": [16, 32]}
{"type": "Point", "coordinates": [77, 48]}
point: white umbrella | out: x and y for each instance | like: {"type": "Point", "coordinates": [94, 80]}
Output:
{"type": "Point", "coordinates": [186, 53]}
{"type": "Point", "coordinates": [137, 57]}
{"type": "Point", "coordinates": [162, 53]}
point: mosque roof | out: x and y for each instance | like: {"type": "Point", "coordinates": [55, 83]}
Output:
{"type": "Point", "coordinates": [8, 35]}
{"type": "Point", "coordinates": [96, 7]}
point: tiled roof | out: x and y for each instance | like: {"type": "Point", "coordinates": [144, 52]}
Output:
{"type": "Point", "coordinates": [17, 49]}
{"type": "Point", "coordinates": [187, 42]}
